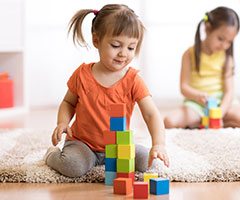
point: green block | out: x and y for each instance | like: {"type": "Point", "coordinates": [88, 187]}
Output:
{"type": "Point", "coordinates": [125, 137]}
{"type": "Point", "coordinates": [111, 151]}
{"type": "Point", "coordinates": [125, 165]}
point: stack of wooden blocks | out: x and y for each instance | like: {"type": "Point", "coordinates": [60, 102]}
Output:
{"type": "Point", "coordinates": [119, 149]}
{"type": "Point", "coordinates": [120, 160]}
{"type": "Point", "coordinates": [213, 115]}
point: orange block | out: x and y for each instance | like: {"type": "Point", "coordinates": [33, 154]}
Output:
{"type": "Point", "coordinates": [140, 190]}
{"type": "Point", "coordinates": [117, 110]}
{"type": "Point", "coordinates": [122, 186]}
{"type": "Point", "coordinates": [109, 137]}
{"type": "Point", "coordinates": [126, 175]}
{"type": "Point", "coordinates": [6, 93]}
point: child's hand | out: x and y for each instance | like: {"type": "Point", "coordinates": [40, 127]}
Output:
{"type": "Point", "coordinates": [158, 151]}
{"type": "Point", "coordinates": [58, 131]}
{"type": "Point", "coordinates": [202, 98]}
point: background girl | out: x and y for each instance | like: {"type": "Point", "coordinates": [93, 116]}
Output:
{"type": "Point", "coordinates": [207, 70]}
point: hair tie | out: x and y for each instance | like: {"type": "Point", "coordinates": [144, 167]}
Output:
{"type": "Point", "coordinates": [95, 12]}
{"type": "Point", "coordinates": [205, 18]}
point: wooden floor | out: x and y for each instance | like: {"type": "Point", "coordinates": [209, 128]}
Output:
{"type": "Point", "coordinates": [45, 118]}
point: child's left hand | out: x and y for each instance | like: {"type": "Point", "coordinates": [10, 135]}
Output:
{"type": "Point", "coordinates": [158, 151]}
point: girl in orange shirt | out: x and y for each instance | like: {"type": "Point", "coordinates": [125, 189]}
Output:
{"type": "Point", "coordinates": [117, 33]}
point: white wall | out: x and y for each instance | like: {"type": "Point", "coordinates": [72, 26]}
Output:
{"type": "Point", "coordinates": [51, 56]}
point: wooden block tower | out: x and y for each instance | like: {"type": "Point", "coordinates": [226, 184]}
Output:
{"type": "Point", "coordinates": [212, 115]}
{"type": "Point", "coordinates": [119, 151]}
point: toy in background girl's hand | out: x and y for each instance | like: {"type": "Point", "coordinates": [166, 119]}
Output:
{"type": "Point", "coordinates": [212, 115]}
{"type": "Point", "coordinates": [208, 70]}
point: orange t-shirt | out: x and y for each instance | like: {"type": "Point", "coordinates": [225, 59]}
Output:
{"type": "Point", "coordinates": [94, 100]}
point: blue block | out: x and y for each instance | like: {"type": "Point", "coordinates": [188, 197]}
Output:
{"type": "Point", "coordinates": [117, 123]}
{"type": "Point", "coordinates": [111, 164]}
{"type": "Point", "coordinates": [159, 186]}
{"type": "Point", "coordinates": [212, 103]}
{"type": "Point", "coordinates": [109, 177]}
{"type": "Point", "coordinates": [206, 111]}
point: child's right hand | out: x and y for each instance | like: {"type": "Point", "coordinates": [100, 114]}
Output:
{"type": "Point", "coordinates": [58, 131]}
{"type": "Point", "coordinates": [202, 98]}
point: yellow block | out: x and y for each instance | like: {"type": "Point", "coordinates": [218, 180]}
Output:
{"type": "Point", "coordinates": [126, 151]}
{"type": "Point", "coordinates": [148, 176]}
{"type": "Point", "coordinates": [205, 121]}
{"type": "Point", "coordinates": [215, 113]}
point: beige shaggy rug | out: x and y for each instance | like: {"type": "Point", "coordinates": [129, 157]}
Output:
{"type": "Point", "coordinates": [195, 156]}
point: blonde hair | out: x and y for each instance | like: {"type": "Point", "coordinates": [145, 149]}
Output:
{"type": "Point", "coordinates": [112, 19]}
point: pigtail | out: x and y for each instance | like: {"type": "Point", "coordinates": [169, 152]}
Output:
{"type": "Point", "coordinates": [197, 46]}
{"type": "Point", "coordinates": [75, 25]}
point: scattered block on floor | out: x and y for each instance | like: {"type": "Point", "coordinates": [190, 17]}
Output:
{"type": "Point", "coordinates": [109, 177]}
{"type": "Point", "coordinates": [122, 186]}
{"type": "Point", "coordinates": [140, 190]}
{"type": "Point", "coordinates": [147, 176]}
{"type": "Point", "coordinates": [159, 186]}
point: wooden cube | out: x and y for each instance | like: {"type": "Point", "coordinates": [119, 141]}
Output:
{"type": "Point", "coordinates": [126, 151]}
{"type": "Point", "coordinates": [124, 137]}
{"type": "Point", "coordinates": [109, 137]}
{"type": "Point", "coordinates": [211, 102]}
{"type": "Point", "coordinates": [205, 121]}
{"type": "Point", "coordinates": [109, 177]}
{"type": "Point", "coordinates": [159, 186]}
{"type": "Point", "coordinates": [125, 165]}
{"type": "Point", "coordinates": [147, 176]}
{"type": "Point", "coordinates": [215, 123]}
{"type": "Point", "coordinates": [117, 110]}
{"type": "Point", "coordinates": [126, 175]}
{"type": "Point", "coordinates": [140, 190]}
{"type": "Point", "coordinates": [122, 186]}
{"type": "Point", "coordinates": [111, 151]}
{"type": "Point", "coordinates": [111, 164]}
{"type": "Point", "coordinates": [215, 113]}
{"type": "Point", "coordinates": [117, 123]}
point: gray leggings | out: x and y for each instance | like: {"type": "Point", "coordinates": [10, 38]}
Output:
{"type": "Point", "coordinates": [76, 158]}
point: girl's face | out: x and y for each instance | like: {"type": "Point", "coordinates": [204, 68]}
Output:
{"type": "Point", "coordinates": [116, 52]}
{"type": "Point", "coordinates": [220, 38]}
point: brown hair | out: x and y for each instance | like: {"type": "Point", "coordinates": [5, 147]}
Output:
{"type": "Point", "coordinates": [112, 19]}
{"type": "Point", "coordinates": [217, 17]}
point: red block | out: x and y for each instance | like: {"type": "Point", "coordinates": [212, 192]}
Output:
{"type": "Point", "coordinates": [140, 190]}
{"type": "Point", "coordinates": [109, 137]}
{"type": "Point", "coordinates": [117, 110]}
{"type": "Point", "coordinates": [6, 91]}
{"type": "Point", "coordinates": [214, 123]}
{"type": "Point", "coordinates": [126, 175]}
{"type": "Point", "coordinates": [122, 186]}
